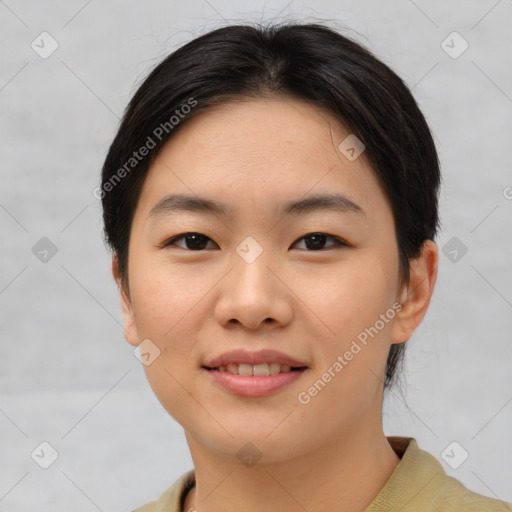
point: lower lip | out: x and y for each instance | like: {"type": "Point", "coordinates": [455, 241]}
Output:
{"type": "Point", "coordinates": [254, 386]}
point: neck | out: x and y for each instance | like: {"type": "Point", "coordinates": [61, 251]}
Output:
{"type": "Point", "coordinates": [344, 476]}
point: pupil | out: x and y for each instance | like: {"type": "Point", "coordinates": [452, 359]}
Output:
{"type": "Point", "coordinates": [318, 241]}
{"type": "Point", "coordinates": [198, 241]}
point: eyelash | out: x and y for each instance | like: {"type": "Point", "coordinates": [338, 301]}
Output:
{"type": "Point", "coordinates": [171, 241]}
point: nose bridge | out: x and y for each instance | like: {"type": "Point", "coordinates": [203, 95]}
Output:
{"type": "Point", "coordinates": [251, 266]}
{"type": "Point", "coordinates": [249, 250]}
{"type": "Point", "coordinates": [252, 294]}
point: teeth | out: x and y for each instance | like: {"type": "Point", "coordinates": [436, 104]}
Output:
{"type": "Point", "coordinates": [232, 368]}
{"type": "Point", "coordinates": [245, 369]}
{"type": "Point", "coordinates": [259, 370]}
{"type": "Point", "coordinates": [274, 368]}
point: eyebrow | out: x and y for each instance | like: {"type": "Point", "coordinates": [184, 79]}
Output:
{"type": "Point", "coordinates": [181, 202]}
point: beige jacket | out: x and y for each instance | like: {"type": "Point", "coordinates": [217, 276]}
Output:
{"type": "Point", "coordinates": [418, 484]}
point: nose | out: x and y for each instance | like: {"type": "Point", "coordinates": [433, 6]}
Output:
{"type": "Point", "coordinates": [254, 294]}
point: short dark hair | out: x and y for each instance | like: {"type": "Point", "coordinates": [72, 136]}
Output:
{"type": "Point", "coordinates": [310, 62]}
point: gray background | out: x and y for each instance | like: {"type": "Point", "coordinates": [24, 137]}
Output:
{"type": "Point", "coordinates": [66, 374]}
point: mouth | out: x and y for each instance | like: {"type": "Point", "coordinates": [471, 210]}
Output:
{"type": "Point", "coordinates": [256, 380]}
{"type": "Point", "coordinates": [256, 370]}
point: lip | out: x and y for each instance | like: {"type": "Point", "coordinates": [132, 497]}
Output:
{"type": "Point", "coordinates": [253, 386]}
{"type": "Point", "coordinates": [259, 357]}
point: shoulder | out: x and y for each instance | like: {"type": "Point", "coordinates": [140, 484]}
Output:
{"type": "Point", "coordinates": [172, 498]}
{"type": "Point", "coordinates": [454, 496]}
{"type": "Point", "coordinates": [148, 507]}
{"type": "Point", "coordinates": [420, 483]}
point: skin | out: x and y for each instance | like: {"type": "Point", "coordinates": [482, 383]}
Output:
{"type": "Point", "coordinates": [330, 454]}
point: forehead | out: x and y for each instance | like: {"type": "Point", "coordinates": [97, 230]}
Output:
{"type": "Point", "coordinates": [259, 153]}
{"type": "Point", "coordinates": [260, 131]}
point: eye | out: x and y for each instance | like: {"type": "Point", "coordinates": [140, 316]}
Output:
{"type": "Point", "coordinates": [198, 242]}
{"type": "Point", "coordinates": [193, 241]}
{"type": "Point", "coordinates": [315, 241]}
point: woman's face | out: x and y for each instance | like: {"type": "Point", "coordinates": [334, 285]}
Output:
{"type": "Point", "coordinates": [255, 279]}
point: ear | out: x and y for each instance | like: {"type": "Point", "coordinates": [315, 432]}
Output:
{"type": "Point", "coordinates": [416, 296]}
{"type": "Point", "coordinates": [130, 328]}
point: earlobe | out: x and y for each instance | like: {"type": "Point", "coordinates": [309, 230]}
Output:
{"type": "Point", "coordinates": [130, 328]}
{"type": "Point", "coordinates": [416, 296]}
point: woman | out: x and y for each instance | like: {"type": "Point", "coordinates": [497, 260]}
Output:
{"type": "Point", "coordinates": [271, 200]}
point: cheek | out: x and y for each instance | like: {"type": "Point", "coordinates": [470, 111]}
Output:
{"type": "Point", "coordinates": [351, 296]}
{"type": "Point", "coordinates": [349, 303]}
{"type": "Point", "coordinates": [167, 303]}
{"type": "Point", "coordinates": [164, 295]}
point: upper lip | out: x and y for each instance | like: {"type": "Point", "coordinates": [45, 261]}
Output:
{"type": "Point", "coordinates": [261, 356]}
